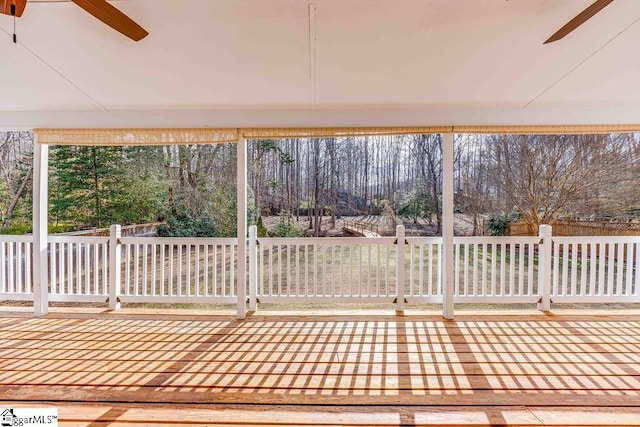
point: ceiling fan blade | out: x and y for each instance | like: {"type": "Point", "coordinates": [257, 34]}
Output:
{"type": "Point", "coordinates": [5, 7]}
{"type": "Point", "coordinates": [578, 20]}
{"type": "Point", "coordinates": [113, 18]}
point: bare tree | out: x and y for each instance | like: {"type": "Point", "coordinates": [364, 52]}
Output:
{"type": "Point", "coordinates": [542, 176]}
{"type": "Point", "coordinates": [16, 167]}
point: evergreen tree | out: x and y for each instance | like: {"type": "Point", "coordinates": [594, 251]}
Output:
{"type": "Point", "coordinates": [88, 181]}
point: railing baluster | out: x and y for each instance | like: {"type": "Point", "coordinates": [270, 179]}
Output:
{"type": "Point", "coordinates": [280, 270]}
{"type": "Point", "coordinates": [29, 280]}
{"type": "Point", "coordinates": [18, 266]}
{"type": "Point", "coordinates": [369, 270]}
{"type": "Point", "coordinates": [583, 271]}
{"type": "Point", "coordinates": [297, 267]}
{"type": "Point", "coordinates": [232, 274]}
{"type": "Point", "coordinates": [566, 255]}
{"type": "Point", "coordinates": [555, 284]}
{"type": "Point", "coordinates": [611, 269]}
{"type": "Point", "coordinates": [465, 289]}
{"type": "Point", "coordinates": [636, 266]}
{"type": "Point", "coordinates": [154, 266]}
{"type": "Point", "coordinates": [456, 269]}
{"type": "Point", "coordinates": [421, 290]}
{"type": "Point", "coordinates": [163, 289]}
{"type": "Point", "coordinates": [206, 270]}
{"type": "Point", "coordinates": [188, 248]}
{"type": "Point", "coordinates": [619, 262]}
{"type": "Point", "coordinates": [359, 252]}
{"type": "Point", "coordinates": [476, 254]}
{"type": "Point", "coordinates": [127, 271]}
{"type": "Point", "coordinates": [171, 268]}
{"type": "Point", "coordinates": [3, 267]}
{"type": "Point", "coordinates": [96, 269]}
{"type": "Point", "coordinates": [145, 269]}
{"type": "Point", "coordinates": [628, 250]}
{"type": "Point", "coordinates": [215, 265]}
{"type": "Point", "coordinates": [11, 268]}
{"type": "Point", "coordinates": [494, 266]}
{"type": "Point", "coordinates": [224, 271]}
{"type": "Point", "coordinates": [11, 275]}
{"type": "Point", "coordinates": [512, 269]}
{"type": "Point", "coordinates": [197, 272]}
{"type": "Point", "coordinates": [602, 255]}
{"type": "Point", "coordinates": [531, 283]}
{"type": "Point", "coordinates": [521, 264]}
{"type": "Point", "coordinates": [635, 270]}
{"type": "Point", "coordinates": [53, 268]}
{"type": "Point", "coordinates": [87, 269]}
{"type": "Point", "coordinates": [592, 268]}
{"type": "Point", "coordinates": [503, 268]}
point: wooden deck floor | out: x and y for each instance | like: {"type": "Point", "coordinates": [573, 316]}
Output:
{"type": "Point", "coordinates": [136, 368]}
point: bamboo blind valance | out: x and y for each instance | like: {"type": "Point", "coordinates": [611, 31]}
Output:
{"type": "Point", "coordinates": [167, 136]}
{"type": "Point", "coordinates": [177, 136]}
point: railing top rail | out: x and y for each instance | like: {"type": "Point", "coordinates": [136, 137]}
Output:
{"type": "Point", "coordinates": [596, 239]}
{"type": "Point", "coordinates": [326, 241]}
{"type": "Point", "coordinates": [15, 238]}
{"type": "Point", "coordinates": [497, 239]}
{"type": "Point", "coordinates": [77, 239]}
{"type": "Point", "coordinates": [416, 240]}
{"type": "Point", "coordinates": [180, 240]}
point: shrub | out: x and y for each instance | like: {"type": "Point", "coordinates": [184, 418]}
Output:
{"type": "Point", "coordinates": [497, 223]}
{"type": "Point", "coordinates": [262, 230]}
{"type": "Point", "coordinates": [183, 225]}
{"type": "Point", "coordinates": [17, 229]}
{"type": "Point", "coordinates": [285, 227]}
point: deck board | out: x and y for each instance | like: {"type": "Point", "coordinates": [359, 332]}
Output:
{"type": "Point", "coordinates": [119, 368]}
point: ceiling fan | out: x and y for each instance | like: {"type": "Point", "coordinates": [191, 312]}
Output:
{"type": "Point", "coordinates": [98, 8]}
{"type": "Point", "coordinates": [580, 19]}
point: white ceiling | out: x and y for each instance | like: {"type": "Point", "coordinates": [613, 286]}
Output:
{"type": "Point", "coordinates": [321, 63]}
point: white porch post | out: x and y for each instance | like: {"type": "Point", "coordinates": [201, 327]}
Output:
{"type": "Point", "coordinates": [400, 267]}
{"type": "Point", "coordinates": [40, 232]}
{"type": "Point", "coordinates": [544, 267]}
{"type": "Point", "coordinates": [241, 171]}
{"type": "Point", "coordinates": [447, 226]}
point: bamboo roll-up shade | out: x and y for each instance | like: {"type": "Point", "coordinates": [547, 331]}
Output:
{"type": "Point", "coordinates": [177, 136]}
{"type": "Point", "coordinates": [167, 136]}
{"type": "Point", "coordinates": [328, 132]}
{"type": "Point", "coordinates": [548, 129]}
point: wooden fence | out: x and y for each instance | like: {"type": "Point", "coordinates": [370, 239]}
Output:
{"type": "Point", "coordinates": [580, 228]}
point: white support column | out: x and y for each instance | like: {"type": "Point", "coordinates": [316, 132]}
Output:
{"type": "Point", "coordinates": [241, 172]}
{"type": "Point", "coordinates": [115, 265]}
{"type": "Point", "coordinates": [40, 232]}
{"type": "Point", "coordinates": [400, 273]}
{"type": "Point", "coordinates": [544, 267]}
{"type": "Point", "coordinates": [447, 226]}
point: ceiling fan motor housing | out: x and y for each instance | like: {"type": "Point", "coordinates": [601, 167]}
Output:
{"type": "Point", "coordinates": [13, 7]}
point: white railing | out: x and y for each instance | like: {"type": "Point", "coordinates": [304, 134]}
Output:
{"type": "Point", "coordinates": [345, 269]}
{"type": "Point", "coordinates": [178, 270]}
{"type": "Point", "coordinates": [15, 267]}
{"type": "Point", "coordinates": [393, 270]}
{"type": "Point", "coordinates": [595, 269]}
{"type": "Point", "coordinates": [78, 268]}
{"type": "Point", "coordinates": [496, 269]}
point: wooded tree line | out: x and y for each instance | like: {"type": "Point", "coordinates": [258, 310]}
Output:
{"type": "Point", "coordinates": [191, 187]}
{"type": "Point", "coordinates": [536, 177]}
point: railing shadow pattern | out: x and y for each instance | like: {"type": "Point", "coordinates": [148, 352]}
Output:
{"type": "Point", "coordinates": [509, 361]}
